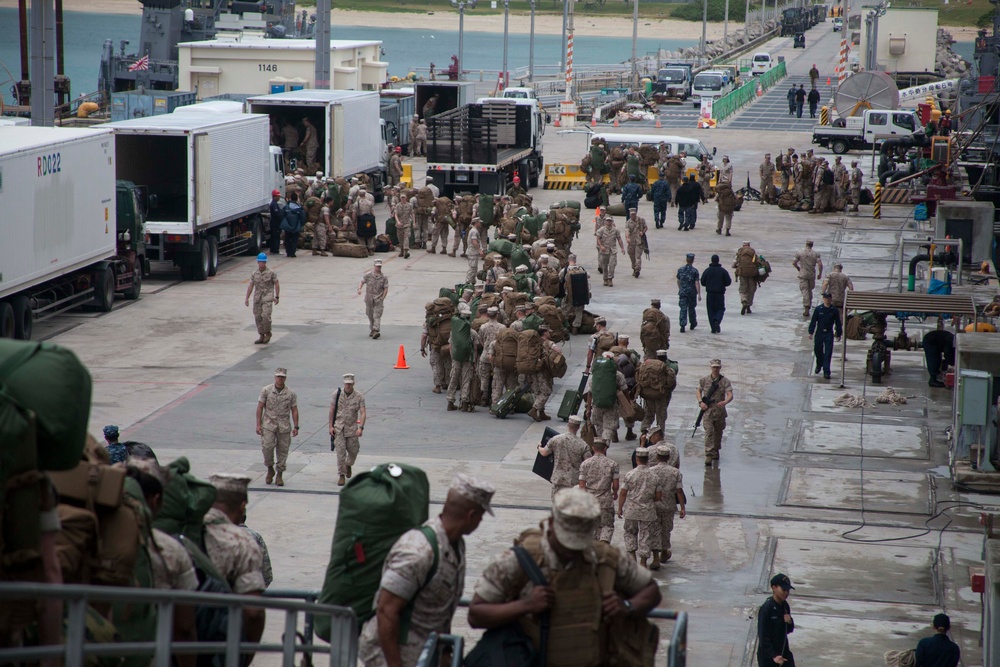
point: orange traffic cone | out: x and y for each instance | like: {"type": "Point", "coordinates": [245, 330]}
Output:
{"type": "Point", "coordinates": [828, 81]}
{"type": "Point", "coordinates": [658, 124]}
{"type": "Point", "coordinates": [556, 124]}
{"type": "Point", "coordinates": [401, 360]}
{"type": "Point", "coordinates": [616, 121]}
{"type": "Point", "coordinates": [593, 122]}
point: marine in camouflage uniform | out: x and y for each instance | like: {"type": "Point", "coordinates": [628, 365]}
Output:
{"type": "Point", "coordinates": [746, 271]}
{"type": "Point", "coordinates": [462, 372]}
{"type": "Point", "coordinates": [171, 564]}
{"type": "Point", "coordinates": [265, 569]}
{"type": "Point", "coordinates": [688, 292]}
{"type": "Point", "coordinates": [347, 426]}
{"type": "Point", "coordinates": [376, 286]}
{"type": "Point", "coordinates": [856, 178]}
{"type": "Point", "coordinates": [487, 337]}
{"type": "Point", "coordinates": [714, 419]}
{"type": "Point", "coordinates": [599, 477]}
{"type": "Point", "coordinates": [275, 403]}
{"type": "Point", "coordinates": [569, 451]}
{"type": "Point", "coordinates": [541, 381]}
{"type": "Point", "coordinates": [405, 572]}
{"type": "Point", "coordinates": [605, 420]}
{"type": "Point", "coordinates": [607, 254]}
{"type": "Point", "coordinates": [474, 252]}
{"type": "Point", "coordinates": [640, 490]}
{"type": "Point", "coordinates": [670, 481]}
{"type": "Point", "coordinates": [404, 225]}
{"type": "Point", "coordinates": [265, 289]}
{"type": "Point", "coordinates": [572, 314]}
{"type": "Point", "coordinates": [766, 180]}
{"type": "Point", "coordinates": [656, 408]}
{"type": "Point", "coordinates": [806, 262]}
{"type": "Point", "coordinates": [233, 552]}
{"type": "Point", "coordinates": [440, 362]}
{"type": "Point", "coordinates": [635, 228]}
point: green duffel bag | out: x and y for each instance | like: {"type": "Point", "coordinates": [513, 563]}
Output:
{"type": "Point", "coordinates": [617, 210]}
{"type": "Point", "coordinates": [604, 383]}
{"type": "Point", "coordinates": [519, 212]}
{"type": "Point", "coordinates": [449, 293]}
{"type": "Point", "coordinates": [186, 501]}
{"type": "Point", "coordinates": [376, 508]}
{"type": "Point", "coordinates": [51, 382]}
{"type": "Point", "coordinates": [461, 339]}
{"type": "Point", "coordinates": [533, 223]}
{"type": "Point", "coordinates": [568, 203]}
{"type": "Point", "coordinates": [518, 257]}
{"type": "Point", "coordinates": [502, 246]}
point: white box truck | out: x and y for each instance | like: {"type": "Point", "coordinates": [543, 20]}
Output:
{"type": "Point", "coordinates": [352, 135]}
{"type": "Point", "coordinates": [209, 178]}
{"type": "Point", "coordinates": [72, 235]}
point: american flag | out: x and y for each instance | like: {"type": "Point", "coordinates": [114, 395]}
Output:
{"type": "Point", "coordinates": [140, 64]}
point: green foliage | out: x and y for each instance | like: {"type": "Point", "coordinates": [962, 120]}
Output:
{"type": "Point", "coordinates": [692, 11]}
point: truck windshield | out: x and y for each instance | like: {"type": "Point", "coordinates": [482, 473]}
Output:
{"type": "Point", "coordinates": [675, 75]}
{"type": "Point", "coordinates": [708, 82]}
{"type": "Point", "coordinates": [515, 94]}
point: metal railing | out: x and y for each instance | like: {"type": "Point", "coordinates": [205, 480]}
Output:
{"type": "Point", "coordinates": [75, 650]}
{"type": "Point", "coordinates": [732, 102]}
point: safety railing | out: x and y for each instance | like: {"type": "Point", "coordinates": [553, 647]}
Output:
{"type": "Point", "coordinates": [732, 102]}
{"type": "Point", "coordinates": [76, 650]}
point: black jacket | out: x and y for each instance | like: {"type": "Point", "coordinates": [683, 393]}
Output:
{"type": "Point", "coordinates": [800, 95]}
{"type": "Point", "coordinates": [772, 632]}
{"type": "Point", "coordinates": [813, 96]}
{"type": "Point", "coordinates": [689, 194]}
{"type": "Point", "coordinates": [715, 279]}
{"type": "Point", "coordinates": [825, 319]}
{"type": "Point", "coordinates": [937, 651]}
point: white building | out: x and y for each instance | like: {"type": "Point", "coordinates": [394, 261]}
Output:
{"type": "Point", "coordinates": [906, 39]}
{"type": "Point", "coordinates": [252, 65]}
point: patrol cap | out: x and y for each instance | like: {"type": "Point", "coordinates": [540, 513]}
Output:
{"type": "Point", "coordinates": [472, 488]}
{"type": "Point", "coordinates": [280, 372]}
{"type": "Point", "coordinates": [601, 441]}
{"type": "Point", "coordinates": [348, 378]}
{"type": "Point", "coordinates": [378, 262]}
{"type": "Point", "coordinates": [519, 309]}
{"type": "Point", "coordinates": [148, 466]}
{"type": "Point", "coordinates": [574, 514]}
{"type": "Point", "coordinates": [110, 431]}
{"type": "Point", "coordinates": [783, 581]}
{"type": "Point", "coordinates": [550, 244]}
{"type": "Point", "coordinates": [511, 237]}
{"type": "Point", "coordinates": [608, 355]}
{"type": "Point", "coordinates": [664, 450]}
{"type": "Point", "coordinates": [633, 209]}
{"type": "Point", "coordinates": [600, 320]}
{"type": "Point", "coordinates": [492, 310]}
{"type": "Point", "coordinates": [655, 303]}
{"type": "Point", "coordinates": [482, 308]}
{"type": "Point", "coordinates": [654, 430]}
{"type": "Point", "coordinates": [661, 353]}
{"type": "Point", "coordinates": [544, 327]}
{"type": "Point", "coordinates": [529, 306]}
{"type": "Point", "coordinates": [623, 337]}
{"type": "Point", "coordinates": [642, 452]}
{"type": "Point", "coordinates": [233, 482]}
{"type": "Point", "coordinates": [715, 363]}
{"type": "Point", "coordinates": [526, 246]}
{"type": "Point", "coordinates": [575, 419]}
{"type": "Point", "coordinates": [463, 308]}
{"type": "Point", "coordinates": [690, 255]}
{"type": "Point", "coordinates": [809, 241]}
{"type": "Point", "coordinates": [508, 288]}
{"type": "Point", "coordinates": [466, 291]}
{"type": "Point", "coordinates": [724, 157]}
{"type": "Point", "coordinates": [544, 257]}
{"type": "Point", "coordinates": [262, 257]}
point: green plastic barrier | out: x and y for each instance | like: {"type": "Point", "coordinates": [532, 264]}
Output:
{"type": "Point", "coordinates": [734, 101]}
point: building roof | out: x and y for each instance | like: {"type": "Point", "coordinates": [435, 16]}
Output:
{"type": "Point", "coordinates": [14, 138]}
{"type": "Point", "coordinates": [278, 44]}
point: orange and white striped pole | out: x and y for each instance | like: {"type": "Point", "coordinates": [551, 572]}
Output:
{"type": "Point", "coordinates": [842, 65]}
{"type": "Point", "coordinates": [567, 108]}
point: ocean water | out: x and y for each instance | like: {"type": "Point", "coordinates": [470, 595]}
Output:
{"type": "Point", "coordinates": [405, 49]}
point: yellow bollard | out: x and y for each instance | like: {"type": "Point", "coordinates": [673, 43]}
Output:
{"type": "Point", "coordinates": [824, 115]}
{"type": "Point", "coordinates": [877, 210]}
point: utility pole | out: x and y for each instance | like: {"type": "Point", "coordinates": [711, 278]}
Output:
{"type": "Point", "coordinates": [531, 45]}
{"type": "Point", "coordinates": [704, 28]}
{"type": "Point", "coordinates": [42, 27]}
{"type": "Point", "coordinates": [461, 6]}
{"type": "Point", "coordinates": [725, 26]}
{"type": "Point", "coordinates": [322, 71]}
{"type": "Point", "coordinates": [562, 53]}
{"type": "Point", "coordinates": [635, 38]}
{"type": "Point", "coordinates": [746, 21]}
{"type": "Point", "coordinates": [506, 19]}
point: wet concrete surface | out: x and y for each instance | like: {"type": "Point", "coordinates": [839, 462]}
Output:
{"type": "Point", "coordinates": [178, 370]}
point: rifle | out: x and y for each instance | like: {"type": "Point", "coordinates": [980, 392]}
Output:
{"type": "Point", "coordinates": [336, 407]}
{"type": "Point", "coordinates": [706, 400]}
{"type": "Point", "coordinates": [645, 245]}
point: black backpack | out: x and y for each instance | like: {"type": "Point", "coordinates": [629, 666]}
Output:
{"type": "Point", "coordinates": [366, 226]}
{"type": "Point", "coordinates": [827, 177]}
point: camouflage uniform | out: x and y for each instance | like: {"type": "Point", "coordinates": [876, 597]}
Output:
{"type": "Point", "coordinates": [598, 474]}
{"type": "Point", "coordinates": [440, 363]}
{"type": "Point", "coordinates": [766, 181]}
{"type": "Point", "coordinates": [365, 206]}
{"type": "Point", "coordinates": [605, 420]}
{"type": "Point", "coordinates": [404, 574]}
{"type": "Point", "coordinates": [263, 298]}
{"type": "Point", "coordinates": [375, 285]}
{"type": "Point", "coordinates": [541, 381]}
{"type": "Point", "coordinates": [171, 564]}
{"type": "Point", "coordinates": [687, 295]}
{"type": "Point", "coordinates": [568, 452]}
{"type": "Point", "coordinates": [473, 254]}
{"type": "Point", "coordinates": [642, 531]}
{"type": "Point", "coordinates": [319, 230]}
{"type": "Point", "coordinates": [265, 568]}
{"type": "Point", "coordinates": [404, 224]}
{"type": "Point", "coordinates": [807, 259]}
{"type": "Point", "coordinates": [345, 428]}
{"type": "Point", "coordinates": [572, 314]}
{"type": "Point", "coordinates": [421, 231]}
{"type": "Point", "coordinates": [746, 271]}
{"type": "Point", "coordinates": [856, 179]}
{"type": "Point", "coordinates": [672, 460]}
{"type": "Point", "coordinates": [634, 229]}
{"type": "Point", "coordinates": [669, 481]}
{"type": "Point", "coordinates": [503, 381]}
{"type": "Point", "coordinates": [487, 335]}
{"type": "Point", "coordinates": [714, 420]}
{"type": "Point", "coordinates": [276, 425]}
{"type": "Point", "coordinates": [607, 250]}
{"type": "Point", "coordinates": [462, 372]}
{"type": "Point", "coordinates": [234, 553]}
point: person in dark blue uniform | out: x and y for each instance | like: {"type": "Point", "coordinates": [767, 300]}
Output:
{"type": "Point", "coordinates": [661, 199]}
{"type": "Point", "coordinates": [715, 279]}
{"type": "Point", "coordinates": [631, 193]}
{"type": "Point", "coordinates": [938, 650]}
{"type": "Point", "coordinates": [277, 213]}
{"type": "Point", "coordinates": [774, 624]}
{"type": "Point", "coordinates": [939, 351]}
{"type": "Point", "coordinates": [825, 320]}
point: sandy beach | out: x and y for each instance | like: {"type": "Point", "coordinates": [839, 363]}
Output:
{"type": "Point", "coordinates": [444, 20]}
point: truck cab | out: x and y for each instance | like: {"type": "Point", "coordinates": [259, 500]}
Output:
{"type": "Point", "coordinates": [866, 130]}
{"type": "Point", "coordinates": [518, 93]}
{"type": "Point", "coordinates": [761, 63]}
{"type": "Point", "coordinates": [710, 83]}
{"type": "Point", "coordinates": [674, 81]}
{"type": "Point", "coordinates": [130, 224]}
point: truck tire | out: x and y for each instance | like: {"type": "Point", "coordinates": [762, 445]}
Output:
{"type": "Point", "coordinates": [839, 146]}
{"type": "Point", "coordinates": [132, 293]}
{"type": "Point", "coordinates": [6, 320]}
{"type": "Point", "coordinates": [256, 242]}
{"type": "Point", "coordinates": [524, 172]}
{"type": "Point", "coordinates": [104, 290]}
{"type": "Point", "coordinates": [213, 254]}
{"type": "Point", "coordinates": [185, 263]}
{"type": "Point", "coordinates": [538, 173]}
{"type": "Point", "coordinates": [23, 319]}
{"type": "Point", "coordinates": [200, 261]}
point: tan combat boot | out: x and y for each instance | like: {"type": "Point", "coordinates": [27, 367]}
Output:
{"type": "Point", "coordinates": [267, 338]}
{"type": "Point", "coordinates": [341, 481]}
{"type": "Point", "coordinates": [349, 471]}
{"type": "Point", "coordinates": [260, 340]}
{"type": "Point", "coordinates": [270, 475]}
{"type": "Point", "coordinates": [451, 406]}
{"type": "Point", "coordinates": [278, 480]}
{"type": "Point", "coordinates": [665, 556]}
{"type": "Point", "coordinates": [451, 254]}
{"type": "Point", "coordinates": [656, 561]}
{"type": "Point", "coordinates": [542, 417]}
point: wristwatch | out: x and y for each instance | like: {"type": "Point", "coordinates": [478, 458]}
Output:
{"type": "Point", "coordinates": [629, 609]}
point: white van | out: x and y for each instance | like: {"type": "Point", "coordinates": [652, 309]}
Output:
{"type": "Point", "coordinates": [711, 83]}
{"type": "Point", "coordinates": [693, 147]}
{"type": "Point", "coordinates": [761, 63]}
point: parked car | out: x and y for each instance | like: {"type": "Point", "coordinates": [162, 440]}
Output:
{"type": "Point", "coordinates": [838, 24]}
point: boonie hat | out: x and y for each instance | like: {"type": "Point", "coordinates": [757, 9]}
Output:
{"type": "Point", "coordinates": [574, 514]}
{"type": "Point", "coordinates": [472, 488]}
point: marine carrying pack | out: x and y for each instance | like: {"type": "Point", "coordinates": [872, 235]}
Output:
{"type": "Point", "coordinates": [655, 379]}
{"type": "Point", "coordinates": [505, 350]}
{"type": "Point", "coordinates": [604, 383]}
{"type": "Point", "coordinates": [461, 339]}
{"type": "Point", "coordinates": [529, 352]}
{"type": "Point", "coordinates": [376, 508]}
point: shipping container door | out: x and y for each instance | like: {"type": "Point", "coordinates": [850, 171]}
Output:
{"type": "Point", "coordinates": [334, 141]}
{"type": "Point", "coordinates": [203, 179]}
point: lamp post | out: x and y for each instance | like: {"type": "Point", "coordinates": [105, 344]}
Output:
{"type": "Point", "coordinates": [635, 37]}
{"type": "Point", "coordinates": [704, 27]}
{"type": "Point", "coordinates": [461, 5]}
{"type": "Point", "coordinates": [506, 19]}
{"type": "Point", "coordinates": [531, 45]}
{"type": "Point", "coordinates": [562, 54]}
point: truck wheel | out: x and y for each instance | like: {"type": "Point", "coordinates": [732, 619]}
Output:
{"type": "Point", "coordinates": [185, 264]}
{"type": "Point", "coordinates": [200, 261]}
{"type": "Point", "coordinates": [213, 255]}
{"type": "Point", "coordinates": [524, 171]}
{"type": "Point", "coordinates": [6, 320]}
{"type": "Point", "coordinates": [839, 147]}
{"type": "Point", "coordinates": [256, 236]}
{"type": "Point", "coordinates": [23, 319]}
{"type": "Point", "coordinates": [537, 175]}
{"type": "Point", "coordinates": [104, 290]}
{"type": "Point", "coordinates": [132, 293]}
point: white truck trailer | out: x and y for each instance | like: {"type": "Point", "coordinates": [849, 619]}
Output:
{"type": "Point", "coordinates": [353, 138]}
{"type": "Point", "coordinates": [209, 178]}
{"type": "Point", "coordinates": [72, 235]}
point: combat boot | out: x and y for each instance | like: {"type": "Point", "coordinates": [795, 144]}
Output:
{"type": "Point", "coordinates": [341, 481]}
{"type": "Point", "coordinates": [656, 561]}
{"type": "Point", "coordinates": [469, 407]}
{"type": "Point", "coordinates": [614, 436]}
{"type": "Point", "coordinates": [534, 415]}
{"type": "Point", "coordinates": [406, 255]}
{"type": "Point", "coordinates": [270, 475]}
{"type": "Point", "coordinates": [451, 406]}
{"type": "Point", "coordinates": [278, 481]}
{"type": "Point", "coordinates": [400, 252]}
{"type": "Point", "coordinates": [432, 251]}
{"type": "Point", "coordinates": [642, 562]}
{"type": "Point", "coordinates": [348, 471]}
{"type": "Point", "coordinates": [436, 389]}
{"type": "Point", "coordinates": [324, 253]}
{"type": "Point", "coordinates": [260, 340]}
{"type": "Point", "coordinates": [451, 254]}
{"type": "Point", "coordinates": [267, 338]}
{"type": "Point", "coordinates": [805, 312]}
{"type": "Point", "coordinates": [544, 417]}
{"type": "Point", "coordinates": [665, 556]}
{"type": "Point", "coordinates": [629, 434]}
{"type": "Point", "coordinates": [315, 253]}
{"type": "Point", "coordinates": [485, 402]}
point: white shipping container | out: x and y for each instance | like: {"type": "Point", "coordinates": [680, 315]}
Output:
{"type": "Point", "coordinates": [204, 170]}
{"type": "Point", "coordinates": [57, 202]}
